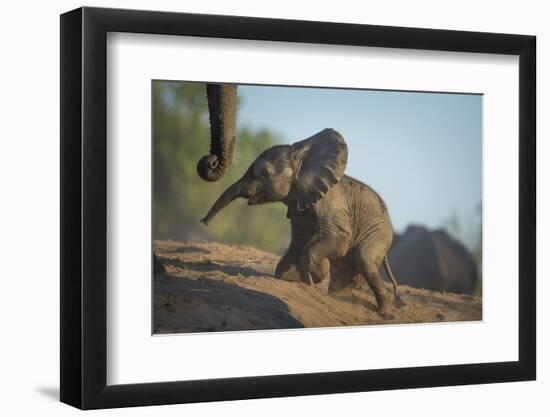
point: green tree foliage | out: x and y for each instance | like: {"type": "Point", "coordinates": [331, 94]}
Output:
{"type": "Point", "coordinates": [181, 136]}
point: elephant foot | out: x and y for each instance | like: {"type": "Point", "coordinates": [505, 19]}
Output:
{"type": "Point", "coordinates": [319, 270]}
{"type": "Point", "coordinates": [289, 274]}
{"type": "Point", "coordinates": [385, 315]}
{"type": "Point", "coordinates": [399, 302]}
{"type": "Point", "coordinates": [383, 307]}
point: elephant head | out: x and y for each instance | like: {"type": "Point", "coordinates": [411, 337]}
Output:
{"type": "Point", "coordinates": [297, 175]}
{"type": "Point", "coordinates": [222, 106]}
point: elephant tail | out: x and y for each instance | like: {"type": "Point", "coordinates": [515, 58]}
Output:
{"type": "Point", "coordinates": [398, 300]}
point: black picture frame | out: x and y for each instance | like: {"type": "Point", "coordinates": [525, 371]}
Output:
{"type": "Point", "coordinates": [84, 207]}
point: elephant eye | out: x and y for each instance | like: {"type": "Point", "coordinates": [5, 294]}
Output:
{"type": "Point", "coordinates": [263, 172]}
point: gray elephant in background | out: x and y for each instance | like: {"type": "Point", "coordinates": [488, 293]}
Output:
{"type": "Point", "coordinates": [336, 221]}
{"type": "Point", "coordinates": [432, 259]}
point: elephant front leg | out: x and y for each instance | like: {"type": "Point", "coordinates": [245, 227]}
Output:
{"type": "Point", "coordinates": [314, 261]}
{"type": "Point", "coordinates": [287, 269]}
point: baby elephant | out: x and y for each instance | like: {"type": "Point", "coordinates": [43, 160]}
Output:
{"type": "Point", "coordinates": [335, 220]}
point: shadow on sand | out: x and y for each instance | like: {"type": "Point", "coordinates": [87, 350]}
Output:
{"type": "Point", "coordinates": [203, 305]}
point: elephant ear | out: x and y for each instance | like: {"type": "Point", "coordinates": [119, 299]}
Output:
{"type": "Point", "coordinates": [320, 162]}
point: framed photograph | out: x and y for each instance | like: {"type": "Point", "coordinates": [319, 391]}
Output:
{"type": "Point", "coordinates": [258, 208]}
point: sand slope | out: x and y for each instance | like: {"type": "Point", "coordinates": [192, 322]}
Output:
{"type": "Point", "coordinates": [216, 287]}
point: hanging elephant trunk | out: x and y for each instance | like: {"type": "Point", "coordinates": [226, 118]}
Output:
{"type": "Point", "coordinates": [222, 106]}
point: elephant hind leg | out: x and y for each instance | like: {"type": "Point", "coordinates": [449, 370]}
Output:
{"type": "Point", "coordinates": [344, 274]}
{"type": "Point", "coordinates": [367, 263]}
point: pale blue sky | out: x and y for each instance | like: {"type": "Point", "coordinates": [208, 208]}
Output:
{"type": "Point", "coordinates": [420, 151]}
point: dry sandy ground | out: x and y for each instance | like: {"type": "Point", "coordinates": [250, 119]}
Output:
{"type": "Point", "coordinates": [215, 287]}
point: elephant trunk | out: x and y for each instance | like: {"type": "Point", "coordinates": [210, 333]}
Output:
{"type": "Point", "coordinates": [233, 192]}
{"type": "Point", "coordinates": [222, 106]}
